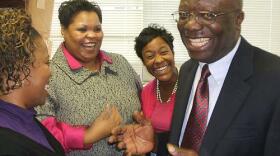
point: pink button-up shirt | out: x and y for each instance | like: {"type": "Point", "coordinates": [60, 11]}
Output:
{"type": "Point", "coordinates": [75, 64]}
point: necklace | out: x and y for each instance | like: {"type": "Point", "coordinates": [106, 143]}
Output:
{"type": "Point", "coordinates": [173, 92]}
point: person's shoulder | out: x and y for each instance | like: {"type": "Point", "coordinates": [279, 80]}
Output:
{"type": "Point", "coordinates": [115, 56]}
{"type": "Point", "coordinates": [188, 65]}
{"type": "Point", "coordinates": [58, 59]}
{"type": "Point", "coordinates": [58, 55]}
{"type": "Point", "coordinates": [189, 62]}
{"type": "Point", "coordinates": [149, 85]}
{"type": "Point", "coordinates": [118, 60]}
{"type": "Point", "coordinates": [265, 54]}
{"type": "Point", "coordinates": [148, 96]}
{"type": "Point", "coordinates": [8, 134]}
{"type": "Point", "coordinates": [8, 137]}
{"type": "Point", "coordinates": [14, 143]}
{"type": "Point", "coordinates": [259, 56]}
{"type": "Point", "coordinates": [266, 59]}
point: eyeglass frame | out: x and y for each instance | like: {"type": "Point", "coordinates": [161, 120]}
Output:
{"type": "Point", "coordinates": [198, 15]}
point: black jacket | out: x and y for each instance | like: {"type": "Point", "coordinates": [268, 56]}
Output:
{"type": "Point", "coordinates": [246, 117]}
{"type": "Point", "coordinates": [16, 144]}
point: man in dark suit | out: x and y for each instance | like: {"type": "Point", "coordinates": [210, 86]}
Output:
{"type": "Point", "coordinates": [242, 115]}
{"type": "Point", "coordinates": [244, 88]}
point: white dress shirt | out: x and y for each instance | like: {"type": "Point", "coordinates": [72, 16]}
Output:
{"type": "Point", "coordinates": [218, 72]}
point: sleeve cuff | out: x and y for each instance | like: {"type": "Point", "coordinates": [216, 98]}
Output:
{"type": "Point", "coordinates": [74, 138]}
{"type": "Point", "coordinates": [70, 137]}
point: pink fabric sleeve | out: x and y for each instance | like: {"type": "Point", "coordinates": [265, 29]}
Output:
{"type": "Point", "coordinates": [70, 137]}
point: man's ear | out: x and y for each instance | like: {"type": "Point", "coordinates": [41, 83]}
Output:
{"type": "Point", "coordinates": [239, 19]}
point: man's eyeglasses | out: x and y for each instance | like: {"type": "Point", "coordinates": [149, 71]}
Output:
{"type": "Point", "coordinates": [202, 17]}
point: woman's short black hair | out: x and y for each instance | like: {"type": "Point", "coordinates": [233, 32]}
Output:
{"type": "Point", "coordinates": [148, 34]}
{"type": "Point", "coordinates": [71, 8]}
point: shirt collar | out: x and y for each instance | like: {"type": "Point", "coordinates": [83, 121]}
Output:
{"type": "Point", "coordinates": [75, 64]}
{"type": "Point", "coordinates": [23, 114]}
{"type": "Point", "coordinates": [220, 68]}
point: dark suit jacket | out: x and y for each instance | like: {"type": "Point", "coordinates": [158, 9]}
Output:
{"type": "Point", "coordinates": [16, 144]}
{"type": "Point", "coordinates": [246, 117]}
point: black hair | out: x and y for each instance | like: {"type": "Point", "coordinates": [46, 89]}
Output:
{"type": "Point", "coordinates": [148, 34]}
{"type": "Point", "coordinates": [71, 8]}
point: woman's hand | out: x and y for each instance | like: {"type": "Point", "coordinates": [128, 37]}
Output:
{"type": "Point", "coordinates": [103, 125]}
{"type": "Point", "coordinates": [134, 139]}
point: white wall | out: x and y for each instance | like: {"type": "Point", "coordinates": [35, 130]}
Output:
{"type": "Point", "coordinates": [124, 19]}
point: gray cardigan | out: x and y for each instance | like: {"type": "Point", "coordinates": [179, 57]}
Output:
{"type": "Point", "coordinates": [79, 96]}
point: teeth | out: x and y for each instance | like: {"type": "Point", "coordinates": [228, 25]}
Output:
{"type": "Point", "coordinates": [199, 42]}
{"type": "Point", "coordinates": [162, 68]}
{"type": "Point", "coordinates": [89, 44]}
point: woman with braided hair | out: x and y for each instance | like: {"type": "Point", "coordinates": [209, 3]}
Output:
{"type": "Point", "coordinates": [24, 74]}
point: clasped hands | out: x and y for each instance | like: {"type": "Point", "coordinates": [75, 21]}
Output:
{"type": "Point", "coordinates": [138, 138]}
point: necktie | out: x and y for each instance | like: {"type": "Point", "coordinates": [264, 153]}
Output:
{"type": "Point", "coordinates": [197, 122]}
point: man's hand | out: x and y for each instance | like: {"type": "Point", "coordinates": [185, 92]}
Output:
{"type": "Point", "coordinates": [175, 151]}
{"type": "Point", "coordinates": [134, 138]}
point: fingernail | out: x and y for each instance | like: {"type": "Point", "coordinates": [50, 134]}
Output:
{"type": "Point", "coordinates": [171, 148]}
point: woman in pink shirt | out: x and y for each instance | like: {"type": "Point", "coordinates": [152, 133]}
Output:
{"type": "Point", "coordinates": [154, 46]}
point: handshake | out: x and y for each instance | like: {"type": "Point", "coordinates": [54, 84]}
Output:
{"type": "Point", "coordinates": [138, 138]}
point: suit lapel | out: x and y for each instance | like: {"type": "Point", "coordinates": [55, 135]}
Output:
{"type": "Point", "coordinates": [231, 98]}
{"type": "Point", "coordinates": [186, 77]}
